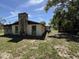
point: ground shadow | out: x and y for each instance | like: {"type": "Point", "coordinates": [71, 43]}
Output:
{"type": "Point", "coordinates": [17, 38]}
{"type": "Point", "coordinates": [67, 36]}
{"type": "Point", "coordinates": [14, 38]}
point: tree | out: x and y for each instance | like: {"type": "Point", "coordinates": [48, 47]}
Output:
{"type": "Point", "coordinates": [43, 22]}
{"type": "Point", "coordinates": [55, 2]}
{"type": "Point", "coordinates": [2, 22]}
{"type": "Point", "coordinates": [68, 20]}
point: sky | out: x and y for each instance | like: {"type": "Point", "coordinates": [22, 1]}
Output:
{"type": "Point", "coordinates": [9, 10]}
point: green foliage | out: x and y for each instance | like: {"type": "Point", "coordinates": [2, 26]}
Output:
{"type": "Point", "coordinates": [43, 22]}
{"type": "Point", "coordinates": [2, 21]}
{"type": "Point", "coordinates": [53, 3]}
{"type": "Point", "coordinates": [68, 19]}
{"type": "Point", "coordinates": [50, 3]}
{"type": "Point", "coordinates": [38, 49]}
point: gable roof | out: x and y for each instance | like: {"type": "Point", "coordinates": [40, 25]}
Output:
{"type": "Point", "coordinates": [29, 22]}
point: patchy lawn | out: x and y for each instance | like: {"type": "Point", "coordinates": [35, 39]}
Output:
{"type": "Point", "coordinates": [50, 48]}
{"type": "Point", "coordinates": [1, 32]}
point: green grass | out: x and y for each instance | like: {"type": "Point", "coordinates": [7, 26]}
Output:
{"type": "Point", "coordinates": [27, 49]}
{"type": "Point", "coordinates": [1, 32]}
{"type": "Point", "coordinates": [37, 49]}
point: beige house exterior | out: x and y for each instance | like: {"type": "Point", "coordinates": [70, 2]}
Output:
{"type": "Point", "coordinates": [24, 27]}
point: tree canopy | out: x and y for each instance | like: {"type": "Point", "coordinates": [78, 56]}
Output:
{"type": "Point", "coordinates": [67, 15]}
{"type": "Point", "coordinates": [2, 21]}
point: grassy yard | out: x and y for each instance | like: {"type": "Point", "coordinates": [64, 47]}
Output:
{"type": "Point", "coordinates": [1, 32]}
{"type": "Point", "coordinates": [50, 48]}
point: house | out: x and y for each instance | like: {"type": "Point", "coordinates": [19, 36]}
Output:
{"type": "Point", "coordinates": [24, 27]}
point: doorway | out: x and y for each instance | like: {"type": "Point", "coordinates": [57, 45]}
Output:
{"type": "Point", "coordinates": [34, 30]}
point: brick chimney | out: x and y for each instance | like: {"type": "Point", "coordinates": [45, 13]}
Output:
{"type": "Point", "coordinates": [23, 18]}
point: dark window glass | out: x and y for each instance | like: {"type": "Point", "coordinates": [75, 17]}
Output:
{"type": "Point", "coordinates": [16, 29]}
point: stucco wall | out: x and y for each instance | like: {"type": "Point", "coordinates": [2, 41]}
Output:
{"type": "Point", "coordinates": [39, 29]}
{"type": "Point", "coordinates": [29, 29]}
{"type": "Point", "coordinates": [13, 29]}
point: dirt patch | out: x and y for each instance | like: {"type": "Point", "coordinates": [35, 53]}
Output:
{"type": "Point", "coordinates": [5, 55]}
{"type": "Point", "coordinates": [63, 51]}
{"type": "Point", "coordinates": [32, 57]}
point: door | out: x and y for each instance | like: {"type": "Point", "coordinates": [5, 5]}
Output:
{"type": "Point", "coordinates": [16, 29]}
{"type": "Point", "coordinates": [34, 30]}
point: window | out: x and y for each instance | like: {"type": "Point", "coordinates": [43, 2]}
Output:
{"type": "Point", "coordinates": [16, 29]}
